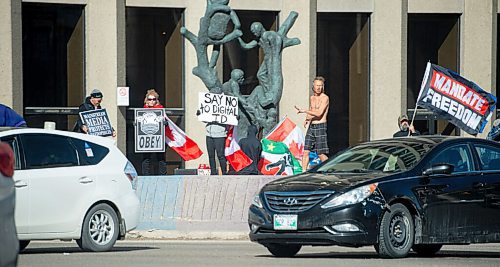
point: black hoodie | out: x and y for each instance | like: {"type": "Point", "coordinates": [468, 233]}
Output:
{"type": "Point", "coordinates": [86, 106]}
{"type": "Point", "coordinates": [252, 148]}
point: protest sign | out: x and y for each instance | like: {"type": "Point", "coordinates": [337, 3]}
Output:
{"type": "Point", "coordinates": [218, 108]}
{"type": "Point", "coordinates": [97, 122]}
{"type": "Point", "coordinates": [456, 99]}
{"type": "Point", "coordinates": [149, 130]}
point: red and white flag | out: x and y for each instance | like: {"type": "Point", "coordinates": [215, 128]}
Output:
{"type": "Point", "coordinates": [236, 157]}
{"type": "Point", "coordinates": [180, 142]}
{"type": "Point", "coordinates": [290, 134]}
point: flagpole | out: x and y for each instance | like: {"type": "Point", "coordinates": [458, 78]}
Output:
{"type": "Point", "coordinates": [424, 82]}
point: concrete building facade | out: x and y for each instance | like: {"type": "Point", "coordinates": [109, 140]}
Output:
{"type": "Point", "coordinates": [372, 53]}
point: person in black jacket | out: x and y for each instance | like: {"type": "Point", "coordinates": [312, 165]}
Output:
{"type": "Point", "coordinates": [405, 129]}
{"type": "Point", "coordinates": [91, 102]}
{"type": "Point", "coordinates": [252, 148]}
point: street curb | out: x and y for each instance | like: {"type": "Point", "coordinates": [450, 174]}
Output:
{"type": "Point", "coordinates": [183, 235]}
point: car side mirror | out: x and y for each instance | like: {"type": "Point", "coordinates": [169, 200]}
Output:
{"type": "Point", "coordinates": [439, 169]}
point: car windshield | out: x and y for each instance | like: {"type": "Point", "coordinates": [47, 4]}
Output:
{"type": "Point", "coordinates": [381, 157]}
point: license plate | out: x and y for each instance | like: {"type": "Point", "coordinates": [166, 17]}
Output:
{"type": "Point", "coordinates": [285, 222]}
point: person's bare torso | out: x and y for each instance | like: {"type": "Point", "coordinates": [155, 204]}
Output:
{"type": "Point", "coordinates": [316, 104]}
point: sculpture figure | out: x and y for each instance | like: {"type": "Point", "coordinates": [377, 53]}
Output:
{"type": "Point", "coordinates": [260, 107]}
{"type": "Point", "coordinates": [213, 26]}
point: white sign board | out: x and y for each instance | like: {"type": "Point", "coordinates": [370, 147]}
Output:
{"type": "Point", "coordinates": [218, 108]}
{"type": "Point", "coordinates": [97, 122]}
{"type": "Point", "coordinates": [149, 130]}
{"type": "Point", "coordinates": [122, 96]}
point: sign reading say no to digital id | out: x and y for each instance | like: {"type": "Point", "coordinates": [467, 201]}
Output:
{"type": "Point", "coordinates": [218, 108]}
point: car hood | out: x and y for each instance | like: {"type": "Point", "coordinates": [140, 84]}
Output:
{"type": "Point", "coordinates": [319, 181]}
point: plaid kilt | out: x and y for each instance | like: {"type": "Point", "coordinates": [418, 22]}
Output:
{"type": "Point", "coordinates": [316, 139]}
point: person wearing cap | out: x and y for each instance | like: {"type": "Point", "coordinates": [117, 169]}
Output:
{"type": "Point", "coordinates": [405, 129]}
{"type": "Point", "coordinates": [91, 102]}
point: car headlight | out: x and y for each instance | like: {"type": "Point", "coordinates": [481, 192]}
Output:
{"type": "Point", "coordinates": [256, 201]}
{"type": "Point", "coordinates": [351, 197]}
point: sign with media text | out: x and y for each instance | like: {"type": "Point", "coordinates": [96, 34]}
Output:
{"type": "Point", "coordinates": [149, 130]}
{"type": "Point", "coordinates": [97, 122]}
{"type": "Point", "coordinates": [218, 108]}
{"type": "Point", "coordinates": [456, 99]}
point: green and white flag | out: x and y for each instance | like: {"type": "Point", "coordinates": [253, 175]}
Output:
{"type": "Point", "coordinates": [276, 159]}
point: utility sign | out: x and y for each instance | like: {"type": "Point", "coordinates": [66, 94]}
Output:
{"type": "Point", "coordinates": [149, 130]}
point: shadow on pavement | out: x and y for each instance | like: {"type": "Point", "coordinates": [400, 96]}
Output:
{"type": "Point", "coordinates": [58, 250]}
{"type": "Point", "coordinates": [374, 255]}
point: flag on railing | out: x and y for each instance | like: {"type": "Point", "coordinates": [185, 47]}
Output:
{"type": "Point", "coordinates": [236, 157]}
{"type": "Point", "coordinates": [180, 142]}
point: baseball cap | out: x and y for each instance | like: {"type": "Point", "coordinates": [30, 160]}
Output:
{"type": "Point", "coordinates": [96, 93]}
{"type": "Point", "coordinates": [403, 118]}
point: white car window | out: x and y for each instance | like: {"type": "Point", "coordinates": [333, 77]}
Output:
{"type": "Point", "coordinates": [48, 151]}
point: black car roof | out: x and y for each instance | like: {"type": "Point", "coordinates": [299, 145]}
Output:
{"type": "Point", "coordinates": [425, 139]}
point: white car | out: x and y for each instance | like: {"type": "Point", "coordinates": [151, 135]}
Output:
{"type": "Point", "coordinates": [71, 186]}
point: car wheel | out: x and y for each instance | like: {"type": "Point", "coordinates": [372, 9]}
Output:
{"type": "Point", "coordinates": [396, 232]}
{"type": "Point", "coordinates": [426, 250]}
{"type": "Point", "coordinates": [23, 244]}
{"type": "Point", "coordinates": [283, 250]}
{"type": "Point", "coordinates": [100, 229]}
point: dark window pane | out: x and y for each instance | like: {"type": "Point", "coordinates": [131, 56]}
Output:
{"type": "Point", "coordinates": [154, 55]}
{"type": "Point", "coordinates": [53, 60]}
{"type": "Point", "coordinates": [434, 38]}
{"type": "Point", "coordinates": [88, 152]}
{"type": "Point", "coordinates": [343, 59]}
{"type": "Point", "coordinates": [47, 151]}
{"type": "Point", "coordinates": [458, 156]}
{"type": "Point", "coordinates": [489, 157]}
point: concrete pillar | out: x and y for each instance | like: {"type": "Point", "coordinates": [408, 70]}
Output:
{"type": "Point", "coordinates": [11, 54]}
{"type": "Point", "coordinates": [193, 128]}
{"type": "Point", "coordinates": [478, 44]}
{"type": "Point", "coordinates": [388, 66]}
{"type": "Point", "coordinates": [299, 62]}
{"type": "Point", "coordinates": [104, 69]}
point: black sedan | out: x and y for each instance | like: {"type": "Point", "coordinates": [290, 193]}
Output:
{"type": "Point", "coordinates": [396, 194]}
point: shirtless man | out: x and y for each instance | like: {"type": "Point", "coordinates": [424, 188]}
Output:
{"type": "Point", "coordinates": [316, 139]}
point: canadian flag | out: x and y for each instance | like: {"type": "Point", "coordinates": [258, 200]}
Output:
{"type": "Point", "coordinates": [180, 142]}
{"type": "Point", "coordinates": [236, 157]}
{"type": "Point", "coordinates": [290, 134]}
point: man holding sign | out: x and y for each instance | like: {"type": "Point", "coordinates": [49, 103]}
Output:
{"type": "Point", "coordinates": [92, 102]}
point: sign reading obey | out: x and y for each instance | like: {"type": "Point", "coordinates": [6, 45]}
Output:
{"type": "Point", "coordinates": [149, 130]}
{"type": "Point", "coordinates": [218, 108]}
{"type": "Point", "coordinates": [97, 122]}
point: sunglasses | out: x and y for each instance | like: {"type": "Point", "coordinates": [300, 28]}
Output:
{"type": "Point", "coordinates": [151, 99]}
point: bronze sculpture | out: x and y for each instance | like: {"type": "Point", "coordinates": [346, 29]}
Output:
{"type": "Point", "coordinates": [260, 107]}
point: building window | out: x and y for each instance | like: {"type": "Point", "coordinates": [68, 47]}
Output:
{"type": "Point", "coordinates": [434, 38]}
{"type": "Point", "coordinates": [343, 59]}
{"type": "Point", "coordinates": [53, 62]}
{"type": "Point", "coordinates": [154, 60]}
